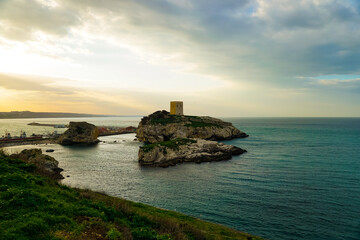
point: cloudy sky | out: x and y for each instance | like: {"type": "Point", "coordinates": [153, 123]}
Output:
{"type": "Point", "coordinates": [240, 58]}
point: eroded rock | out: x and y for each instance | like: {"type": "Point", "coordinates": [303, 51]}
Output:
{"type": "Point", "coordinates": [80, 133]}
{"type": "Point", "coordinates": [161, 126]}
{"type": "Point", "coordinates": [45, 164]}
{"type": "Point", "coordinates": [169, 153]}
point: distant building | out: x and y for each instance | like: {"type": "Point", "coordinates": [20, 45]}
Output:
{"type": "Point", "coordinates": [23, 135]}
{"type": "Point", "coordinates": [176, 108]}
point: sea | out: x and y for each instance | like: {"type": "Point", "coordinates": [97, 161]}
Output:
{"type": "Point", "coordinates": [300, 178]}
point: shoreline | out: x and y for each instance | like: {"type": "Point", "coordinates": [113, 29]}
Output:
{"type": "Point", "coordinates": [87, 210]}
{"type": "Point", "coordinates": [28, 142]}
{"type": "Point", "coordinates": [49, 141]}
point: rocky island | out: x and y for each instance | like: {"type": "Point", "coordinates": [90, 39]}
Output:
{"type": "Point", "coordinates": [170, 153]}
{"type": "Point", "coordinates": [80, 133]}
{"type": "Point", "coordinates": [163, 126]}
{"type": "Point", "coordinates": [171, 139]}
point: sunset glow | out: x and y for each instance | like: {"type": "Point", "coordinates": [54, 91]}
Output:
{"type": "Point", "coordinates": [224, 58]}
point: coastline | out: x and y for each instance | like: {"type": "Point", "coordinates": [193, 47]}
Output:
{"type": "Point", "coordinates": [50, 140]}
{"type": "Point", "coordinates": [213, 192]}
{"type": "Point", "coordinates": [84, 214]}
{"type": "Point", "coordinates": [28, 142]}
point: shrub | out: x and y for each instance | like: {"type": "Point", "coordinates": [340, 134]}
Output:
{"type": "Point", "coordinates": [144, 233]}
{"type": "Point", "coordinates": [114, 234]}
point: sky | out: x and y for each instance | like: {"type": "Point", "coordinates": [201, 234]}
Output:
{"type": "Point", "coordinates": [225, 58]}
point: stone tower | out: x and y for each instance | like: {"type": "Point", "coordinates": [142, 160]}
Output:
{"type": "Point", "coordinates": [176, 108]}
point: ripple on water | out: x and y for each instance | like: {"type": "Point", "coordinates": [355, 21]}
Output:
{"type": "Point", "coordinates": [300, 178]}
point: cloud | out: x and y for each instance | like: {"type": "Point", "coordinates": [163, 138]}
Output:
{"type": "Point", "coordinates": [31, 83]}
{"type": "Point", "coordinates": [272, 40]}
{"type": "Point", "coordinates": [39, 93]}
{"type": "Point", "coordinates": [22, 18]}
{"type": "Point", "coordinates": [349, 83]}
{"type": "Point", "coordinates": [260, 44]}
{"type": "Point", "coordinates": [238, 40]}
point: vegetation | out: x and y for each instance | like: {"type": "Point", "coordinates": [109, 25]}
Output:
{"type": "Point", "coordinates": [202, 124]}
{"type": "Point", "coordinates": [194, 121]}
{"type": "Point", "coordinates": [168, 119]}
{"type": "Point", "coordinates": [172, 144]}
{"type": "Point", "coordinates": [35, 207]}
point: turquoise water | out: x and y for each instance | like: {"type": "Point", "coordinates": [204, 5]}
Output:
{"type": "Point", "coordinates": [299, 180]}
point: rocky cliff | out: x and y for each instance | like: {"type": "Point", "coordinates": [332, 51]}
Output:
{"type": "Point", "coordinates": [80, 133]}
{"type": "Point", "coordinates": [161, 126]}
{"type": "Point", "coordinates": [169, 153]}
{"type": "Point", "coordinates": [45, 164]}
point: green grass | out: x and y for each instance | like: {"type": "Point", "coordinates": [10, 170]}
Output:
{"type": "Point", "coordinates": [167, 120]}
{"type": "Point", "coordinates": [35, 207]}
{"type": "Point", "coordinates": [172, 144]}
{"type": "Point", "coordinates": [202, 124]}
{"type": "Point", "coordinates": [195, 121]}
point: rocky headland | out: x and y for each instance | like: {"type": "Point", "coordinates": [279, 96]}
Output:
{"type": "Point", "coordinates": [172, 139]}
{"type": "Point", "coordinates": [45, 164]}
{"type": "Point", "coordinates": [80, 133]}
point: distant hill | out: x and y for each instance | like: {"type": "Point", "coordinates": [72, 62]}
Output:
{"type": "Point", "coordinates": [28, 114]}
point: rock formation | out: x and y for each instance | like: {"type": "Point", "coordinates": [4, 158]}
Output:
{"type": "Point", "coordinates": [180, 150]}
{"type": "Point", "coordinates": [173, 139]}
{"type": "Point", "coordinates": [45, 164]}
{"type": "Point", "coordinates": [80, 133]}
{"type": "Point", "coordinates": [161, 126]}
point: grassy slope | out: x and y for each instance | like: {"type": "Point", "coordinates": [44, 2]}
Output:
{"type": "Point", "coordinates": [35, 207]}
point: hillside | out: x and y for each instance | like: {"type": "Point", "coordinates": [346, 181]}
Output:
{"type": "Point", "coordinates": [35, 207]}
{"type": "Point", "coordinates": [28, 114]}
